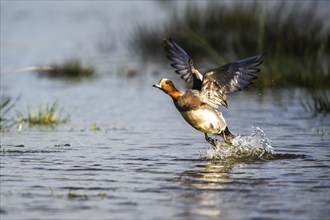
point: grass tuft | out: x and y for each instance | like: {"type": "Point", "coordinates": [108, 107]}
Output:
{"type": "Point", "coordinates": [69, 69]}
{"type": "Point", "coordinates": [47, 116]}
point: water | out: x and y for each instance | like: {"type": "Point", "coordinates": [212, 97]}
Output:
{"type": "Point", "coordinates": [146, 162]}
{"type": "Point", "coordinates": [256, 145]}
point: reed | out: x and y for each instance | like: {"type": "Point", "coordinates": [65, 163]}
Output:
{"type": "Point", "coordinates": [317, 102]}
{"type": "Point", "coordinates": [297, 39]}
{"type": "Point", "coordinates": [6, 121]}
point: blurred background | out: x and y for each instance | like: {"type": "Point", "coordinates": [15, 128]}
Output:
{"type": "Point", "coordinates": [57, 39]}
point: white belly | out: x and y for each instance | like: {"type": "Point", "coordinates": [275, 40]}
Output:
{"type": "Point", "coordinates": [205, 121]}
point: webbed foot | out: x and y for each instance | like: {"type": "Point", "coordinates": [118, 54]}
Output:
{"type": "Point", "coordinates": [227, 136]}
{"type": "Point", "coordinates": [211, 141]}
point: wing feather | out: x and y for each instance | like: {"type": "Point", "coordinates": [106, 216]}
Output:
{"type": "Point", "coordinates": [229, 78]}
{"type": "Point", "coordinates": [183, 64]}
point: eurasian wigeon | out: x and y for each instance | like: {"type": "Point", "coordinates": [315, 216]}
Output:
{"type": "Point", "coordinates": [198, 106]}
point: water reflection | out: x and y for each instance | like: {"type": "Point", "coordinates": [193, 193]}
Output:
{"type": "Point", "coordinates": [211, 176]}
{"type": "Point", "coordinates": [204, 185]}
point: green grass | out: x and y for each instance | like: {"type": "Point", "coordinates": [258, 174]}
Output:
{"type": "Point", "coordinates": [296, 37]}
{"type": "Point", "coordinates": [47, 116]}
{"type": "Point", "coordinates": [71, 68]}
{"type": "Point", "coordinates": [6, 106]}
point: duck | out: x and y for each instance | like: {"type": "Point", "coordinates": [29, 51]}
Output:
{"type": "Point", "coordinates": [199, 105]}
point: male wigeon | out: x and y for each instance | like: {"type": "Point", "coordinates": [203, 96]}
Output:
{"type": "Point", "coordinates": [198, 106]}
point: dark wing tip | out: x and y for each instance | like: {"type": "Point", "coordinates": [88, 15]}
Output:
{"type": "Point", "coordinates": [261, 56]}
{"type": "Point", "coordinates": [225, 103]}
{"type": "Point", "coordinates": [168, 42]}
{"type": "Point", "coordinates": [265, 53]}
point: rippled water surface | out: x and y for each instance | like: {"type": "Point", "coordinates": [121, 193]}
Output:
{"type": "Point", "coordinates": [145, 162]}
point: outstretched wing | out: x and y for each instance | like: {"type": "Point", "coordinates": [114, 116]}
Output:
{"type": "Point", "coordinates": [183, 64]}
{"type": "Point", "coordinates": [229, 78]}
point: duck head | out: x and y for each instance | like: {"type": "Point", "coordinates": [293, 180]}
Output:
{"type": "Point", "coordinates": [168, 87]}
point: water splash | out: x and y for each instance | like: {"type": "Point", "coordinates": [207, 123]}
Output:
{"type": "Point", "coordinates": [256, 145]}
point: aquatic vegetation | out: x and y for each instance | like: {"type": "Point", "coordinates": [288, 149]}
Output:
{"type": "Point", "coordinates": [62, 145]}
{"type": "Point", "coordinates": [94, 127]}
{"type": "Point", "coordinates": [297, 38]}
{"type": "Point", "coordinates": [6, 106]}
{"type": "Point", "coordinates": [317, 102]}
{"type": "Point", "coordinates": [75, 195]}
{"type": "Point", "coordinates": [46, 115]}
{"type": "Point", "coordinates": [10, 149]}
{"type": "Point", "coordinates": [70, 69]}
{"type": "Point", "coordinates": [5, 150]}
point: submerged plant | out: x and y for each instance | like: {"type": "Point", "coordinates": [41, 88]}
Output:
{"type": "Point", "coordinates": [6, 122]}
{"type": "Point", "coordinates": [45, 116]}
{"type": "Point", "coordinates": [69, 69]}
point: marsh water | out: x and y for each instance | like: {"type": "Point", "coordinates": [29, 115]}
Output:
{"type": "Point", "coordinates": [126, 153]}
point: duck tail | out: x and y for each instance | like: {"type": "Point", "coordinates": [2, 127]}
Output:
{"type": "Point", "coordinates": [227, 135]}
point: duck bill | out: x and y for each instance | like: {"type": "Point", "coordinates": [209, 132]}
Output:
{"type": "Point", "coordinates": [157, 86]}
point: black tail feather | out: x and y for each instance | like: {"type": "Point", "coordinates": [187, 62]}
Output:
{"type": "Point", "coordinates": [227, 135]}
